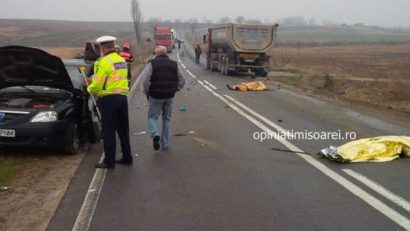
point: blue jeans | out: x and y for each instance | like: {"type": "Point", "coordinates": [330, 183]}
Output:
{"type": "Point", "coordinates": [156, 108]}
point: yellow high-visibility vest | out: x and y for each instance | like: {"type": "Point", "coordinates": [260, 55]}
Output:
{"type": "Point", "coordinates": [110, 76]}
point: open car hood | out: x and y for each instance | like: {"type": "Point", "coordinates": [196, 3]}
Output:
{"type": "Point", "coordinates": [29, 66]}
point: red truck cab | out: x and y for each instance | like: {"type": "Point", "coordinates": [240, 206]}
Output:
{"type": "Point", "coordinates": [163, 36]}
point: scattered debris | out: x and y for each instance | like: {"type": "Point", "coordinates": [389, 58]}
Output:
{"type": "Point", "coordinates": [376, 149]}
{"type": "Point", "coordinates": [279, 120]}
{"type": "Point", "coordinates": [286, 150]}
{"type": "Point", "coordinates": [183, 108]}
{"type": "Point", "coordinates": [180, 134]}
{"type": "Point", "coordinates": [4, 188]}
{"type": "Point", "coordinates": [191, 132]}
{"type": "Point", "coordinates": [227, 107]}
{"type": "Point", "coordinates": [136, 155]}
{"type": "Point", "coordinates": [204, 145]}
{"type": "Point", "coordinates": [140, 133]}
{"type": "Point", "coordinates": [249, 86]}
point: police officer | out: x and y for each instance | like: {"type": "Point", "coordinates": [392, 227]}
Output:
{"type": "Point", "coordinates": [111, 86]}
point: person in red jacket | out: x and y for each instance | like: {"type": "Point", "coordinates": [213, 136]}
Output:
{"type": "Point", "coordinates": [126, 53]}
{"type": "Point", "coordinates": [129, 58]}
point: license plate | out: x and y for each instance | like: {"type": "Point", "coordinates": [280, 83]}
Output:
{"type": "Point", "coordinates": [7, 133]}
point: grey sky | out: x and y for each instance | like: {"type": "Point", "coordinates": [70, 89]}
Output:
{"type": "Point", "coordinates": [370, 12]}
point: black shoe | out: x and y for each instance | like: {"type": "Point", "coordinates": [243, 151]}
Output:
{"type": "Point", "coordinates": [124, 161]}
{"type": "Point", "coordinates": [104, 165]}
{"type": "Point", "coordinates": [155, 142]}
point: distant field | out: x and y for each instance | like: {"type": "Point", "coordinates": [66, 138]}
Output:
{"type": "Point", "coordinates": [375, 73]}
{"type": "Point", "coordinates": [362, 61]}
{"type": "Point", "coordinates": [63, 52]}
{"type": "Point", "coordinates": [43, 33]}
{"type": "Point", "coordinates": [340, 35]}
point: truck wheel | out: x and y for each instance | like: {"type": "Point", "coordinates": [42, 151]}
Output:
{"type": "Point", "coordinates": [261, 72]}
{"type": "Point", "coordinates": [227, 71]}
{"type": "Point", "coordinates": [71, 143]}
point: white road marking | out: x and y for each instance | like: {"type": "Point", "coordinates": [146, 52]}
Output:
{"type": "Point", "coordinates": [86, 213]}
{"type": "Point", "coordinates": [400, 201]}
{"type": "Point", "coordinates": [264, 119]}
{"type": "Point", "coordinates": [211, 85]}
{"type": "Point", "coordinates": [190, 73]}
{"type": "Point", "coordinates": [200, 82]}
{"type": "Point", "coordinates": [366, 197]}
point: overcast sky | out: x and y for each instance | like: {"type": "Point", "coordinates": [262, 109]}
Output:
{"type": "Point", "coordinates": [371, 12]}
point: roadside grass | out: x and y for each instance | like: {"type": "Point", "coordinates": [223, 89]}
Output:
{"type": "Point", "coordinates": [376, 74]}
{"type": "Point", "coordinates": [9, 168]}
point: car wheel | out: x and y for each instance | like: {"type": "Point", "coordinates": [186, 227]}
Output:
{"type": "Point", "coordinates": [94, 132]}
{"type": "Point", "coordinates": [71, 143]}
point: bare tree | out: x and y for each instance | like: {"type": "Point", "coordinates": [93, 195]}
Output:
{"type": "Point", "coordinates": [137, 19]}
{"type": "Point", "coordinates": [224, 20]}
{"type": "Point", "coordinates": [193, 23]}
{"type": "Point", "coordinates": [240, 19]}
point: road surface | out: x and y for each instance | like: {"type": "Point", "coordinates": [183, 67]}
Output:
{"type": "Point", "coordinates": [217, 176]}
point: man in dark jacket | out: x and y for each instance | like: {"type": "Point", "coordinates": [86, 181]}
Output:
{"type": "Point", "coordinates": [161, 80]}
{"type": "Point", "coordinates": [198, 53]}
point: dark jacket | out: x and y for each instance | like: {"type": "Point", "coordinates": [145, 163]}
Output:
{"type": "Point", "coordinates": [164, 78]}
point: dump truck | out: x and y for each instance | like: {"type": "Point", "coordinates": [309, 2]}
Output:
{"type": "Point", "coordinates": [240, 48]}
{"type": "Point", "coordinates": [164, 36]}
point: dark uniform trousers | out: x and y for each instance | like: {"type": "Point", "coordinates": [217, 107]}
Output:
{"type": "Point", "coordinates": [114, 113]}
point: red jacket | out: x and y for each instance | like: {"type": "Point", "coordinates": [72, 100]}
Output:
{"type": "Point", "coordinates": [127, 56]}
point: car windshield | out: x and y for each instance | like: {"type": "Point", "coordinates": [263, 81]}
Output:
{"type": "Point", "coordinates": [75, 75]}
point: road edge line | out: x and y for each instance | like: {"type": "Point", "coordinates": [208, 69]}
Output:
{"type": "Point", "coordinates": [398, 200]}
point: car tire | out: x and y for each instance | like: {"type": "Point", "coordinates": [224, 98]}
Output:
{"type": "Point", "coordinates": [71, 142]}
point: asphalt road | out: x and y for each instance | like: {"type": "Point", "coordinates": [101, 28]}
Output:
{"type": "Point", "coordinates": [216, 176]}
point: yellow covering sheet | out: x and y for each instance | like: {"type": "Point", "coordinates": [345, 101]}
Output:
{"type": "Point", "coordinates": [376, 149]}
{"type": "Point", "coordinates": [250, 86]}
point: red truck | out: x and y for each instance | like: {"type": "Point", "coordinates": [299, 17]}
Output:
{"type": "Point", "coordinates": [164, 36]}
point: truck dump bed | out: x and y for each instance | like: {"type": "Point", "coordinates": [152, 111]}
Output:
{"type": "Point", "coordinates": [243, 37]}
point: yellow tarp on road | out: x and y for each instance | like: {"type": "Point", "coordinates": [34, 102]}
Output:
{"type": "Point", "coordinates": [377, 149]}
{"type": "Point", "coordinates": [249, 86]}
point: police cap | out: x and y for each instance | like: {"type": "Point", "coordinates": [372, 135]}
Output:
{"type": "Point", "coordinates": [106, 39]}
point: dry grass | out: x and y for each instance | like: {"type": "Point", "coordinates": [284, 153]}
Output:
{"type": "Point", "coordinates": [374, 73]}
{"type": "Point", "coordinates": [63, 52]}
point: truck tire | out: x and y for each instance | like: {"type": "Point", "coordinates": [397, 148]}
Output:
{"type": "Point", "coordinates": [71, 142]}
{"type": "Point", "coordinates": [227, 71]}
{"type": "Point", "coordinates": [261, 72]}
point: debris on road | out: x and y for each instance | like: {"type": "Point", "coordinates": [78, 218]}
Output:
{"type": "Point", "coordinates": [249, 86]}
{"type": "Point", "coordinates": [183, 108]}
{"type": "Point", "coordinates": [191, 132]}
{"type": "Point", "coordinates": [280, 121]}
{"type": "Point", "coordinates": [136, 155]}
{"type": "Point", "coordinates": [140, 133]}
{"type": "Point", "coordinates": [180, 134]}
{"type": "Point", "coordinates": [4, 188]}
{"type": "Point", "coordinates": [204, 145]}
{"type": "Point", "coordinates": [227, 107]}
{"type": "Point", "coordinates": [376, 149]}
{"type": "Point", "coordinates": [287, 150]}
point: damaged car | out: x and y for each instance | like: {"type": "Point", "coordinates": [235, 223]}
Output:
{"type": "Point", "coordinates": [43, 102]}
